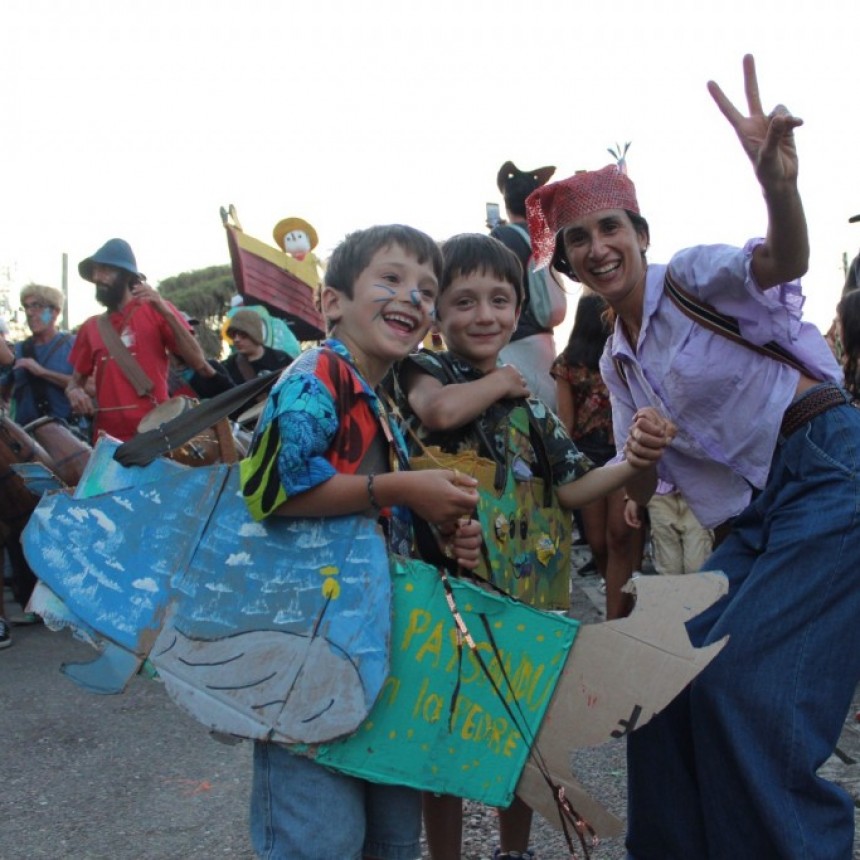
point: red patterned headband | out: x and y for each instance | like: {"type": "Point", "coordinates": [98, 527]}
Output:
{"type": "Point", "coordinates": [554, 206]}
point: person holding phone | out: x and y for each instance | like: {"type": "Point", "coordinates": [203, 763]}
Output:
{"type": "Point", "coordinates": [532, 348]}
{"type": "Point", "coordinates": [148, 329]}
{"type": "Point", "coordinates": [494, 216]}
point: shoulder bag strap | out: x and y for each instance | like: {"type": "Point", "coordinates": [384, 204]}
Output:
{"type": "Point", "coordinates": [522, 233]}
{"type": "Point", "coordinates": [539, 447]}
{"type": "Point", "coordinates": [535, 437]}
{"type": "Point", "coordinates": [709, 317]}
{"type": "Point", "coordinates": [244, 367]}
{"type": "Point", "coordinates": [36, 383]}
{"type": "Point", "coordinates": [128, 364]}
{"type": "Point", "coordinates": [501, 467]}
{"type": "Point", "coordinates": [28, 347]}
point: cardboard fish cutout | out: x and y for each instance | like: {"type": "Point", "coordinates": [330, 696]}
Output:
{"type": "Point", "coordinates": [174, 568]}
{"type": "Point", "coordinates": [283, 631]}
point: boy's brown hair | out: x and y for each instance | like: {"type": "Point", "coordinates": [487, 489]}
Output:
{"type": "Point", "coordinates": [353, 255]}
{"type": "Point", "coordinates": [468, 253]}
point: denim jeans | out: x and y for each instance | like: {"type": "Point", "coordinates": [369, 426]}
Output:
{"type": "Point", "coordinates": [303, 811]}
{"type": "Point", "coordinates": [728, 770]}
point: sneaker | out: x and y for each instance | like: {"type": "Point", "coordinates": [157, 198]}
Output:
{"type": "Point", "coordinates": [602, 587]}
{"type": "Point", "coordinates": [5, 634]}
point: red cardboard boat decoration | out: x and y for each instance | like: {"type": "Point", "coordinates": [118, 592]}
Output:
{"type": "Point", "coordinates": [285, 282]}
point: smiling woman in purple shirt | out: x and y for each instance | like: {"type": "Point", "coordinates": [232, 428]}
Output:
{"type": "Point", "coordinates": [768, 447]}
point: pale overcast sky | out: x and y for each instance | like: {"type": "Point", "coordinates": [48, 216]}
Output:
{"type": "Point", "coordinates": [140, 120]}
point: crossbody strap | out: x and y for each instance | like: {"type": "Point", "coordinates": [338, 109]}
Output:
{"type": "Point", "coordinates": [28, 347]}
{"type": "Point", "coordinates": [522, 233]}
{"type": "Point", "coordinates": [709, 317]}
{"type": "Point", "coordinates": [245, 367]}
{"type": "Point", "coordinates": [38, 385]}
{"type": "Point", "coordinates": [535, 438]}
{"type": "Point", "coordinates": [128, 364]}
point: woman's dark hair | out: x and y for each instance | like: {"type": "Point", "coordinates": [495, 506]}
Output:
{"type": "Point", "coordinates": [848, 311]}
{"type": "Point", "coordinates": [559, 258]}
{"type": "Point", "coordinates": [589, 333]}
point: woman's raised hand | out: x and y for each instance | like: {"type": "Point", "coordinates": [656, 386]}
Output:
{"type": "Point", "coordinates": [768, 139]}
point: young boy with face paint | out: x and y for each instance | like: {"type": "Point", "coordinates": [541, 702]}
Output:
{"type": "Point", "coordinates": [324, 447]}
{"type": "Point", "coordinates": [479, 303]}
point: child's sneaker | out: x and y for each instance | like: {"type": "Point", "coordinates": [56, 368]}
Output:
{"type": "Point", "coordinates": [5, 634]}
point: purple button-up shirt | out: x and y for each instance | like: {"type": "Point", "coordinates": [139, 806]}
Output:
{"type": "Point", "coordinates": [726, 400]}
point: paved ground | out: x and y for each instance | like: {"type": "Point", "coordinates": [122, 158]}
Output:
{"type": "Point", "coordinates": [130, 777]}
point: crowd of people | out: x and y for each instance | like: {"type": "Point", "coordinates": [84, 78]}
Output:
{"type": "Point", "coordinates": [107, 376]}
{"type": "Point", "coordinates": [691, 398]}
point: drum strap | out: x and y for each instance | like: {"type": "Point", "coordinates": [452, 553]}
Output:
{"type": "Point", "coordinates": [38, 386]}
{"type": "Point", "coordinates": [145, 447]}
{"type": "Point", "coordinates": [245, 367]}
{"type": "Point", "coordinates": [131, 370]}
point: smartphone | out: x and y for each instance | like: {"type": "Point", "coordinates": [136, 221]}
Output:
{"type": "Point", "coordinates": [494, 215]}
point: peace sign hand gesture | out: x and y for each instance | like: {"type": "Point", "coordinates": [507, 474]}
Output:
{"type": "Point", "coordinates": [768, 139]}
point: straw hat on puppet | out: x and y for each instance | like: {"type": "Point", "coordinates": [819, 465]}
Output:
{"type": "Point", "coordinates": [287, 225]}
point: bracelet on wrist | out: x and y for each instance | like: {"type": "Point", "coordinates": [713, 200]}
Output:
{"type": "Point", "coordinates": [371, 494]}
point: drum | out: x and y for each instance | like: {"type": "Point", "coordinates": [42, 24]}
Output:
{"type": "Point", "coordinates": [16, 501]}
{"type": "Point", "coordinates": [203, 450]}
{"type": "Point", "coordinates": [68, 453]}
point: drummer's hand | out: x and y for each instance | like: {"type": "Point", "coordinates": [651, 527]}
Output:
{"type": "Point", "coordinates": [768, 140]}
{"type": "Point", "coordinates": [30, 365]}
{"type": "Point", "coordinates": [80, 401]}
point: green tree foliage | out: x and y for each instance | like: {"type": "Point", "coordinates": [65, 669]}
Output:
{"type": "Point", "coordinates": [205, 295]}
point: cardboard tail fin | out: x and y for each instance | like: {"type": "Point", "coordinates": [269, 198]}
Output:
{"type": "Point", "coordinates": [618, 676]}
{"type": "Point", "coordinates": [108, 673]}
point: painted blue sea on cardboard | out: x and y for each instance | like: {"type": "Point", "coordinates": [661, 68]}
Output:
{"type": "Point", "coordinates": [172, 566]}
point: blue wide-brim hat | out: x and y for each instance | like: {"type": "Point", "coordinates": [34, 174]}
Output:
{"type": "Point", "coordinates": [114, 252]}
